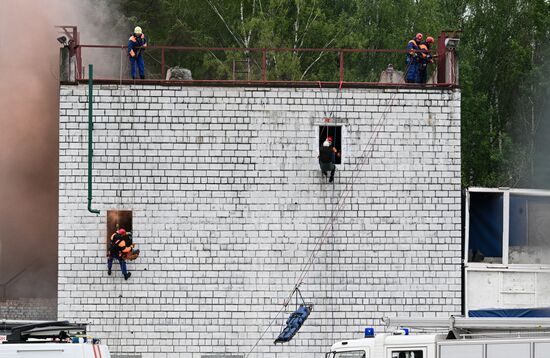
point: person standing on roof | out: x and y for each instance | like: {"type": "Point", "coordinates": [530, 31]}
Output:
{"type": "Point", "coordinates": [425, 59]}
{"type": "Point", "coordinates": [136, 46]}
{"type": "Point", "coordinates": [119, 246]}
{"type": "Point", "coordinates": [411, 75]}
{"type": "Point", "coordinates": [327, 157]}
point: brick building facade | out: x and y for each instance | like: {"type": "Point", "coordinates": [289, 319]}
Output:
{"type": "Point", "coordinates": [227, 204]}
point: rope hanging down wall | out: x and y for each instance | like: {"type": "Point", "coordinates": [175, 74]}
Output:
{"type": "Point", "coordinates": [366, 153]}
{"type": "Point", "coordinates": [330, 117]}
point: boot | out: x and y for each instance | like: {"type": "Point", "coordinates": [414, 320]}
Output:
{"type": "Point", "coordinates": [127, 276]}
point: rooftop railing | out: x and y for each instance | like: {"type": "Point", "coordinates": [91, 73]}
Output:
{"type": "Point", "coordinates": [330, 67]}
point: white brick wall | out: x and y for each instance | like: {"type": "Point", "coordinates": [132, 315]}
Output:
{"type": "Point", "coordinates": [228, 203]}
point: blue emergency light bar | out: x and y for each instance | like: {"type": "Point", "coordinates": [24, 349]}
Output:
{"type": "Point", "coordinates": [369, 332]}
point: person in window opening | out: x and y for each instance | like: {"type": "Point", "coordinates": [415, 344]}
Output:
{"type": "Point", "coordinates": [119, 246]}
{"type": "Point", "coordinates": [136, 46]}
{"type": "Point", "coordinates": [327, 158]}
{"type": "Point", "coordinates": [425, 58]}
{"type": "Point", "coordinates": [412, 60]}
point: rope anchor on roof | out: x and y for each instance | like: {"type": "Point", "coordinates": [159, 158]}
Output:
{"type": "Point", "coordinates": [296, 319]}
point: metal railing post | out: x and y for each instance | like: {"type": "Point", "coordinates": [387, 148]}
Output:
{"type": "Point", "coordinates": [163, 74]}
{"type": "Point", "coordinates": [264, 64]}
{"type": "Point", "coordinates": [79, 62]}
{"type": "Point", "coordinates": [341, 66]}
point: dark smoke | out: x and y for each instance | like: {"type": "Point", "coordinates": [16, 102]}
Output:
{"type": "Point", "coordinates": [29, 104]}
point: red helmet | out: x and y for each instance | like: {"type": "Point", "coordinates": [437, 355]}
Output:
{"type": "Point", "coordinates": [419, 36]}
{"type": "Point", "coordinates": [429, 40]}
{"type": "Point", "coordinates": [121, 231]}
{"type": "Point", "coordinates": [329, 139]}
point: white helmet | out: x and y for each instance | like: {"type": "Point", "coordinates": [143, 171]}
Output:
{"type": "Point", "coordinates": [137, 30]}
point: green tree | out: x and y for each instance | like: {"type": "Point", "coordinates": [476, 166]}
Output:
{"type": "Point", "coordinates": [503, 55]}
{"type": "Point", "coordinates": [500, 90]}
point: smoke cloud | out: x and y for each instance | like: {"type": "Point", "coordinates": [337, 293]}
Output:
{"type": "Point", "coordinates": [29, 105]}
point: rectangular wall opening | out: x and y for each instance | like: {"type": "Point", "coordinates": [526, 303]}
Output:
{"type": "Point", "coordinates": [117, 219]}
{"type": "Point", "coordinates": [485, 234]}
{"type": "Point", "coordinates": [334, 132]}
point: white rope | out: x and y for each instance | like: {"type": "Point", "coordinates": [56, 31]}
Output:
{"type": "Point", "coordinates": [119, 190]}
{"type": "Point", "coordinates": [268, 327]}
{"type": "Point", "coordinates": [365, 155]}
{"type": "Point", "coordinates": [331, 252]}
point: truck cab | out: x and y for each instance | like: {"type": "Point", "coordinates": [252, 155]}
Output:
{"type": "Point", "coordinates": [54, 350]}
{"type": "Point", "coordinates": [387, 345]}
{"type": "Point", "coordinates": [49, 339]}
{"type": "Point", "coordinates": [453, 337]}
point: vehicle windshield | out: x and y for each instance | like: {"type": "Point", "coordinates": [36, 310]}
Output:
{"type": "Point", "coordinates": [348, 354]}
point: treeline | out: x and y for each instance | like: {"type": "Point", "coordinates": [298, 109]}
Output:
{"type": "Point", "coordinates": [504, 51]}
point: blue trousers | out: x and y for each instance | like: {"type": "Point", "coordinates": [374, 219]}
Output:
{"type": "Point", "coordinates": [412, 71]}
{"type": "Point", "coordinates": [122, 263]}
{"type": "Point", "coordinates": [140, 65]}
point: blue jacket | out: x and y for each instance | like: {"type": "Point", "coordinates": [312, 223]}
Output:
{"type": "Point", "coordinates": [412, 47]}
{"type": "Point", "coordinates": [135, 42]}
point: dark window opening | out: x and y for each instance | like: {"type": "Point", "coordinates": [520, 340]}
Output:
{"type": "Point", "coordinates": [485, 235]}
{"type": "Point", "coordinates": [335, 132]}
{"type": "Point", "coordinates": [407, 354]}
{"type": "Point", "coordinates": [117, 219]}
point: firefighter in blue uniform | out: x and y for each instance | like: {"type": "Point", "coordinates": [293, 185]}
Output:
{"type": "Point", "coordinates": [136, 45]}
{"type": "Point", "coordinates": [411, 76]}
{"type": "Point", "coordinates": [119, 247]}
{"type": "Point", "coordinates": [425, 59]}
